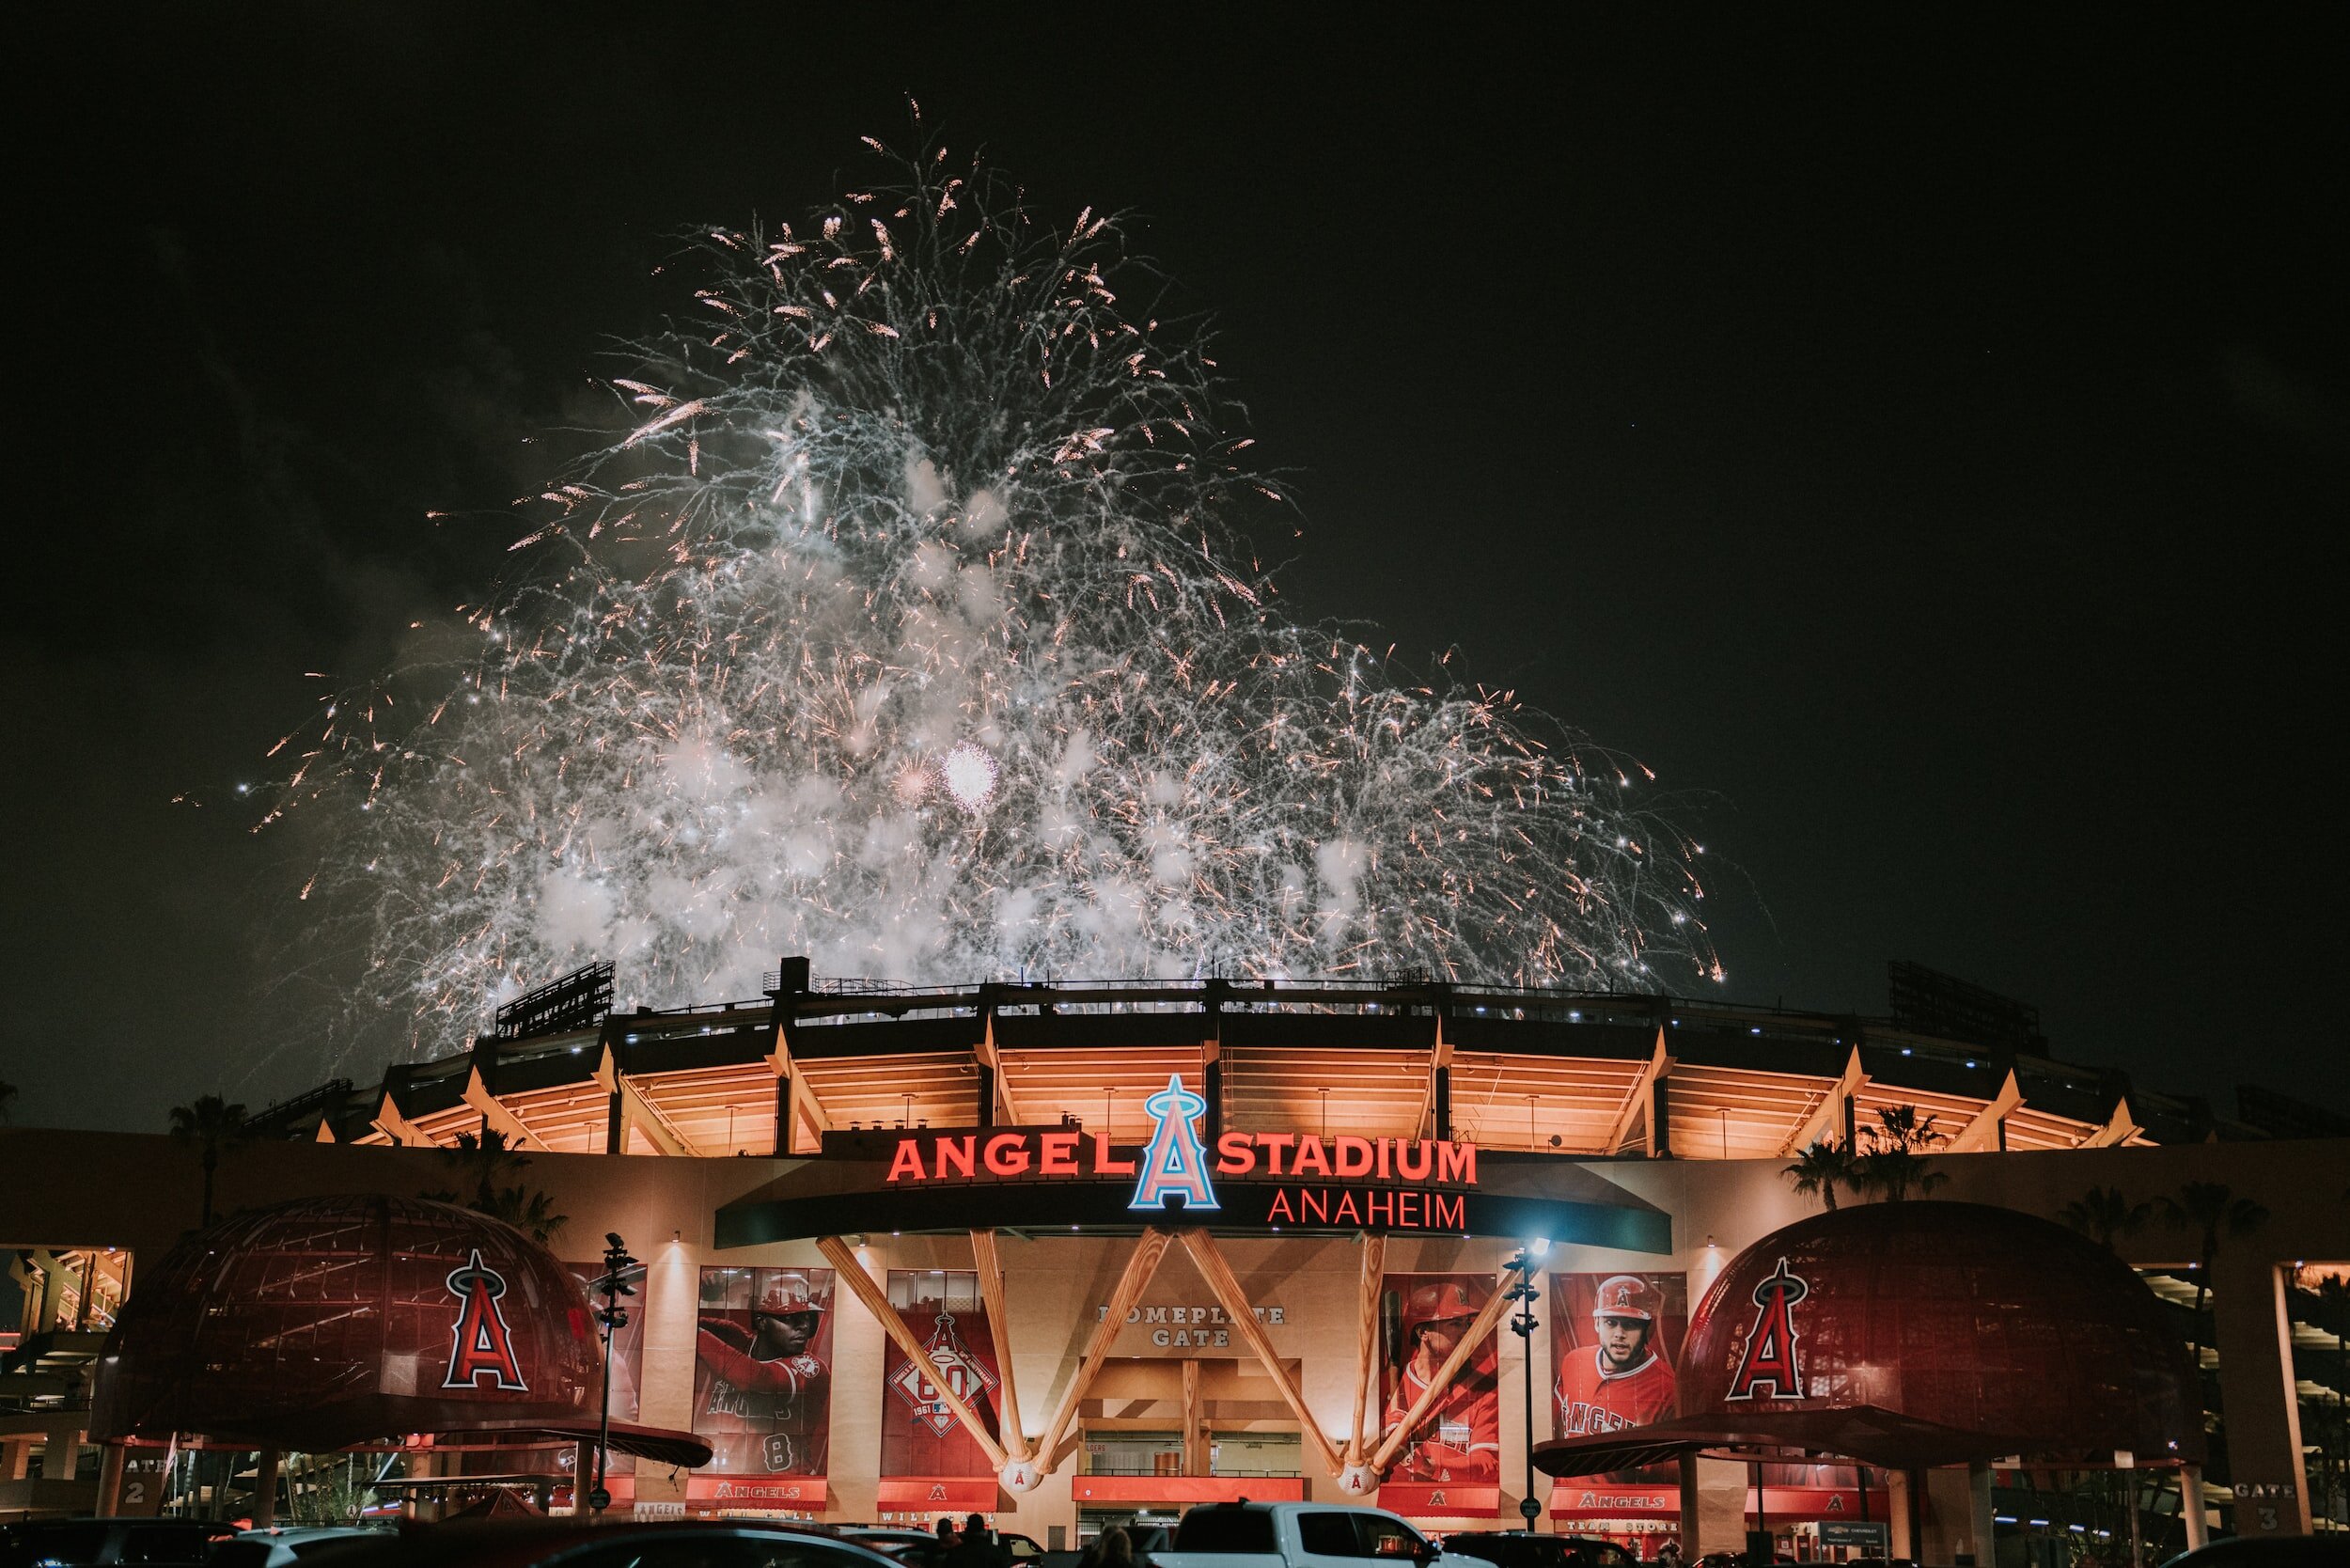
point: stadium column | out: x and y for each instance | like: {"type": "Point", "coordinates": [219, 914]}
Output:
{"type": "Point", "coordinates": [1713, 1506]}
{"type": "Point", "coordinates": [1212, 1072]}
{"type": "Point", "coordinates": [110, 1461]}
{"type": "Point", "coordinates": [1212, 1057]}
{"type": "Point", "coordinates": [1196, 1460]}
{"type": "Point", "coordinates": [989, 1092]}
{"type": "Point", "coordinates": [2257, 1393]}
{"type": "Point", "coordinates": [792, 982]}
{"type": "Point", "coordinates": [1901, 1506]}
{"type": "Point", "coordinates": [61, 1445]}
{"type": "Point", "coordinates": [1660, 1116]}
{"type": "Point", "coordinates": [670, 1311]}
{"type": "Point", "coordinates": [612, 1042]}
{"type": "Point", "coordinates": [1980, 1515]}
{"type": "Point", "coordinates": [1948, 1529]}
{"type": "Point", "coordinates": [1435, 1116]}
{"type": "Point", "coordinates": [2193, 1510]}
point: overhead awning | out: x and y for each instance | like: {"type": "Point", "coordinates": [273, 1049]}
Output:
{"type": "Point", "coordinates": [662, 1445]}
{"type": "Point", "coordinates": [1509, 1195]}
{"type": "Point", "coordinates": [1866, 1434]}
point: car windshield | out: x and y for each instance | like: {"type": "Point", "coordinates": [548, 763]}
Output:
{"type": "Point", "coordinates": [1225, 1530]}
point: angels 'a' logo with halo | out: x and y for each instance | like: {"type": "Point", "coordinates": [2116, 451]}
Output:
{"type": "Point", "coordinates": [481, 1342]}
{"type": "Point", "coordinates": [1769, 1356]}
{"type": "Point", "coordinates": [1176, 1163]}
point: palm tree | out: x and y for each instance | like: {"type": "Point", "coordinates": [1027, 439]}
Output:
{"type": "Point", "coordinates": [2103, 1215]}
{"type": "Point", "coordinates": [2210, 1208]}
{"type": "Point", "coordinates": [1820, 1169]}
{"type": "Point", "coordinates": [486, 1162]}
{"type": "Point", "coordinates": [529, 1211]}
{"type": "Point", "coordinates": [1895, 1164]}
{"type": "Point", "coordinates": [216, 1126]}
{"type": "Point", "coordinates": [486, 1159]}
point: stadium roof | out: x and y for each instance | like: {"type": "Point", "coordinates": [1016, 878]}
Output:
{"type": "Point", "coordinates": [1574, 1074]}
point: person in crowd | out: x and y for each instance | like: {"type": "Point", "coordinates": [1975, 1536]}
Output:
{"type": "Point", "coordinates": [979, 1548]}
{"type": "Point", "coordinates": [1112, 1548]}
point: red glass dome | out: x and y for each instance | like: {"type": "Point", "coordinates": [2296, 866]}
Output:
{"type": "Point", "coordinates": [1967, 1316]}
{"type": "Point", "coordinates": [334, 1321]}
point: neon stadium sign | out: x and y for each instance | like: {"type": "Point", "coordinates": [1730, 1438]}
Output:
{"type": "Point", "coordinates": [1347, 1180]}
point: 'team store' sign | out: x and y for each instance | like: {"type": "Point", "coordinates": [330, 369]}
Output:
{"type": "Point", "coordinates": [1067, 1179]}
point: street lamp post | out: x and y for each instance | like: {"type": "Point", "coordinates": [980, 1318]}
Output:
{"type": "Point", "coordinates": [1522, 1325]}
{"type": "Point", "coordinates": [618, 1267]}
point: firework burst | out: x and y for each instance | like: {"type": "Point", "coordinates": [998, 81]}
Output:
{"type": "Point", "coordinates": [903, 623]}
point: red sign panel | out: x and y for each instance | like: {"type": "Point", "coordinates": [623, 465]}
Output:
{"type": "Point", "coordinates": [751, 1492]}
{"type": "Point", "coordinates": [920, 1436]}
{"type": "Point", "coordinates": [1441, 1503]}
{"type": "Point", "coordinates": [1186, 1489]}
{"type": "Point", "coordinates": [937, 1493]}
{"type": "Point", "coordinates": [1572, 1502]}
{"type": "Point", "coordinates": [1818, 1502]}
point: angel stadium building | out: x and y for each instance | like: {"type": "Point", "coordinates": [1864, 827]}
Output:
{"type": "Point", "coordinates": [1071, 1254]}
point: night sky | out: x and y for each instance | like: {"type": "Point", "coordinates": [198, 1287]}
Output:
{"type": "Point", "coordinates": [1925, 439]}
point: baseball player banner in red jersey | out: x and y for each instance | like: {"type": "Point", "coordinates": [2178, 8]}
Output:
{"type": "Point", "coordinates": [1458, 1448]}
{"type": "Point", "coordinates": [762, 1370]}
{"type": "Point", "coordinates": [920, 1437]}
{"type": "Point", "coordinates": [1613, 1339]}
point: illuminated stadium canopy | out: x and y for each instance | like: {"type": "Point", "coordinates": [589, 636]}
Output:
{"type": "Point", "coordinates": [819, 1068]}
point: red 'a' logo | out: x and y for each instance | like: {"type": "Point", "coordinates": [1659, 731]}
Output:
{"type": "Point", "coordinates": [481, 1342]}
{"type": "Point", "coordinates": [1770, 1353]}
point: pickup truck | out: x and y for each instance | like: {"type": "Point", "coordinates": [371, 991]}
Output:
{"type": "Point", "coordinates": [1299, 1536]}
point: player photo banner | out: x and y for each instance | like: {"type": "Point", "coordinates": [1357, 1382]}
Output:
{"type": "Point", "coordinates": [1613, 1340]}
{"type": "Point", "coordinates": [762, 1370]}
{"type": "Point", "coordinates": [920, 1436]}
{"type": "Point", "coordinates": [628, 1359]}
{"type": "Point", "coordinates": [1421, 1317]}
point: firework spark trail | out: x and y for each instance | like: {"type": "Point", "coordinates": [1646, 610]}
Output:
{"type": "Point", "coordinates": [904, 627]}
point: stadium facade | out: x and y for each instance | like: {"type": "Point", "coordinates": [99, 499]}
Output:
{"type": "Point", "coordinates": [1068, 1254]}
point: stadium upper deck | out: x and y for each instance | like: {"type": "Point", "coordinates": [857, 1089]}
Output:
{"type": "Point", "coordinates": [1580, 1076]}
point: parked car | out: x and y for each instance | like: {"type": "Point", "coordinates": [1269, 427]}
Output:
{"type": "Point", "coordinates": [281, 1547]}
{"type": "Point", "coordinates": [2287, 1551]}
{"type": "Point", "coordinates": [1298, 1535]}
{"type": "Point", "coordinates": [624, 1544]}
{"type": "Point", "coordinates": [1517, 1548]}
{"type": "Point", "coordinates": [73, 1542]}
{"type": "Point", "coordinates": [921, 1548]}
